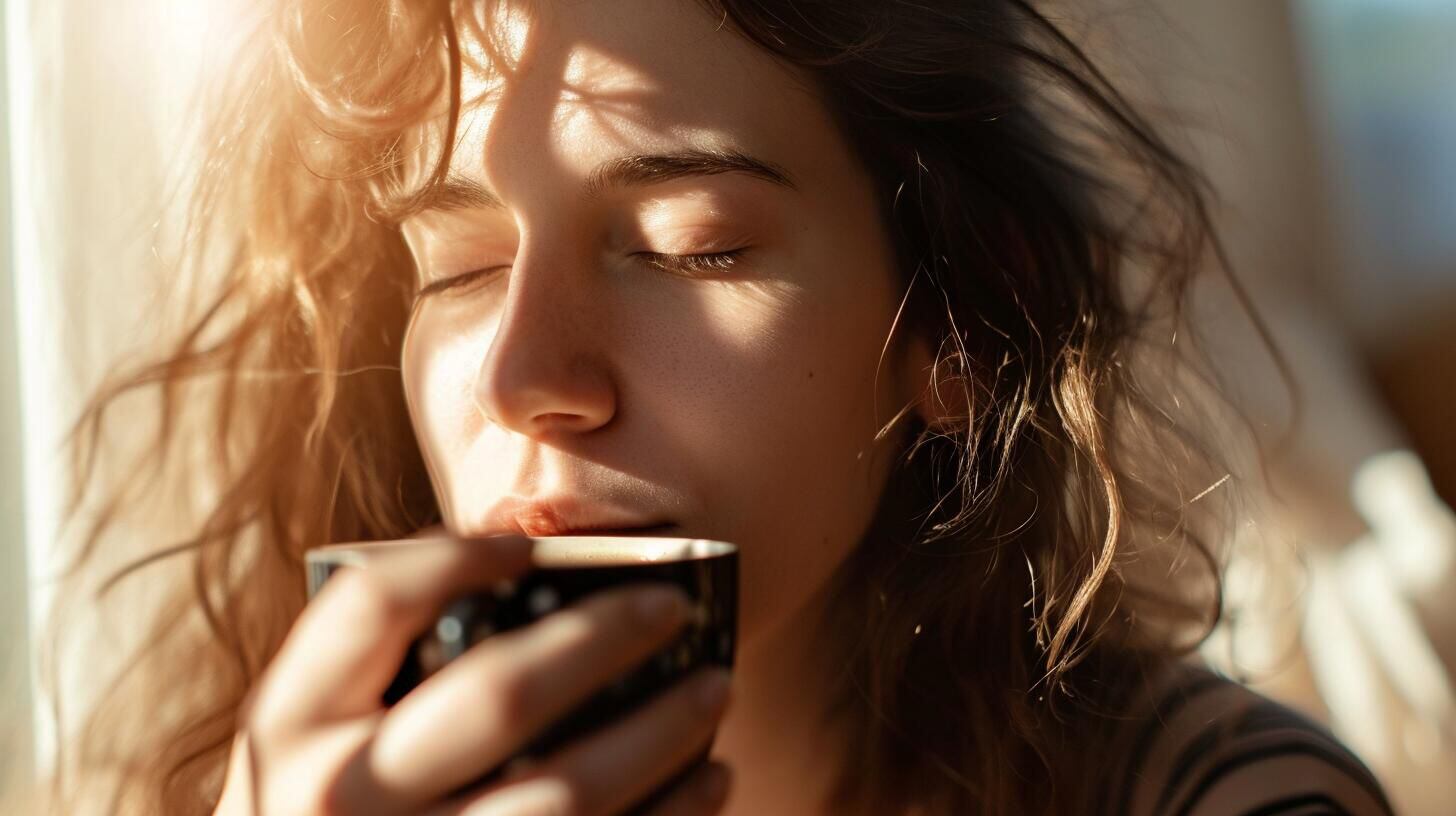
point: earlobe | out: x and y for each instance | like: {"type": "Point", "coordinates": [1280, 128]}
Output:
{"type": "Point", "coordinates": [919, 377]}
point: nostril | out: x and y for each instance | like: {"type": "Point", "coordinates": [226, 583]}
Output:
{"type": "Point", "coordinates": [561, 421]}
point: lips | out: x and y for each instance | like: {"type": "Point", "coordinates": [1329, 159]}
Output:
{"type": "Point", "coordinates": [570, 515]}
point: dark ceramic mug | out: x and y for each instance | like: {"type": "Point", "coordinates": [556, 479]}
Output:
{"type": "Point", "coordinates": [566, 569]}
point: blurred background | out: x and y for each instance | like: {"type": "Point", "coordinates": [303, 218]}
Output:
{"type": "Point", "coordinates": [1328, 128]}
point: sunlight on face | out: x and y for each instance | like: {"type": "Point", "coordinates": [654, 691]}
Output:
{"type": "Point", "coordinates": [696, 339]}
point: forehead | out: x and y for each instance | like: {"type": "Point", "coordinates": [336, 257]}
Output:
{"type": "Point", "coordinates": [567, 85]}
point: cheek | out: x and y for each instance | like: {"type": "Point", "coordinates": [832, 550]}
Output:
{"type": "Point", "coordinates": [787, 375]}
{"type": "Point", "coordinates": [780, 413]}
{"type": "Point", "coordinates": [438, 365]}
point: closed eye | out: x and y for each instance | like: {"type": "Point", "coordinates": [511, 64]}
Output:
{"type": "Point", "coordinates": [691, 264]}
{"type": "Point", "coordinates": [457, 281]}
{"type": "Point", "coordinates": [701, 263]}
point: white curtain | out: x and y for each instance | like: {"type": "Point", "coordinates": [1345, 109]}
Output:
{"type": "Point", "coordinates": [98, 99]}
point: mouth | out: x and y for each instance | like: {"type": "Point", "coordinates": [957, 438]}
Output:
{"type": "Point", "coordinates": [568, 514]}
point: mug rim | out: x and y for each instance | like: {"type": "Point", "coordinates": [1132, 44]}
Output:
{"type": "Point", "coordinates": [669, 550]}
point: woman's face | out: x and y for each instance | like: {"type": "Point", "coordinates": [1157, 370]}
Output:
{"type": "Point", "coordinates": [561, 352]}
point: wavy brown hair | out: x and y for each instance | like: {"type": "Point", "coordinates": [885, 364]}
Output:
{"type": "Point", "coordinates": [1014, 589]}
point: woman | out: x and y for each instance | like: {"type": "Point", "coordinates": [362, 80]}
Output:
{"type": "Point", "coordinates": [887, 293]}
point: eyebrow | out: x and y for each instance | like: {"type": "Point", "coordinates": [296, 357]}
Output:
{"type": "Point", "coordinates": [457, 192]}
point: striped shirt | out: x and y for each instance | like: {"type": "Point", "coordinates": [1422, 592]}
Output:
{"type": "Point", "coordinates": [1207, 746]}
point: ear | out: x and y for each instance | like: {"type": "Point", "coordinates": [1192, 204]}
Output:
{"type": "Point", "coordinates": [940, 395]}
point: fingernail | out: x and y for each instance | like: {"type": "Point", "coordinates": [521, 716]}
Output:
{"type": "Point", "coordinates": [712, 691]}
{"type": "Point", "coordinates": [714, 785]}
{"type": "Point", "coordinates": [660, 606]}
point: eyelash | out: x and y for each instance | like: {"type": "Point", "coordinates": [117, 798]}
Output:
{"type": "Point", "coordinates": [703, 262]}
{"type": "Point", "coordinates": [698, 263]}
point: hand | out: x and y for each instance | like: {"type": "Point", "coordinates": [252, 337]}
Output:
{"type": "Point", "coordinates": [316, 739]}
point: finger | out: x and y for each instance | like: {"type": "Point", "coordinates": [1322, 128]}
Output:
{"type": "Point", "coordinates": [486, 704]}
{"type": "Point", "coordinates": [350, 640]}
{"type": "Point", "coordinates": [702, 793]}
{"type": "Point", "coordinates": [624, 763]}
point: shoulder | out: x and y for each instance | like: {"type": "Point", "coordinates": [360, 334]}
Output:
{"type": "Point", "coordinates": [1202, 745]}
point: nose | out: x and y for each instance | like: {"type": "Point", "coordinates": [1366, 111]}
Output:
{"type": "Point", "coordinates": [546, 370]}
